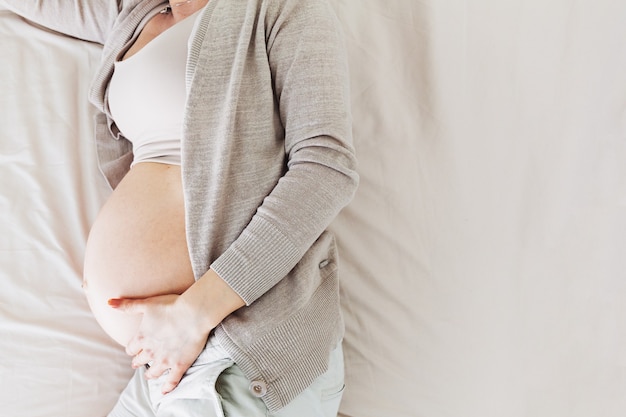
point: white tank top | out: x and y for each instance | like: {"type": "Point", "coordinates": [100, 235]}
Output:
{"type": "Point", "coordinates": [147, 95]}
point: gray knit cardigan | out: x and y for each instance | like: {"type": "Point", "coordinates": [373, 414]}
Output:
{"type": "Point", "coordinates": [267, 164]}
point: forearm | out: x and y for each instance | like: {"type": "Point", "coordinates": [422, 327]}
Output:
{"type": "Point", "coordinates": [211, 299]}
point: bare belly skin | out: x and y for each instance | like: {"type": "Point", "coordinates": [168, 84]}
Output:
{"type": "Point", "coordinates": [137, 246]}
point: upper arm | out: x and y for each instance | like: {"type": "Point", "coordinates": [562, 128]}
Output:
{"type": "Point", "coordinates": [308, 60]}
{"type": "Point", "coordinates": [90, 20]}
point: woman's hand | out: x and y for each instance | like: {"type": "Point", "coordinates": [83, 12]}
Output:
{"type": "Point", "coordinates": [174, 328]}
{"type": "Point", "coordinates": [169, 337]}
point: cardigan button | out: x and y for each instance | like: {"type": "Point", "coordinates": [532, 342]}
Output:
{"type": "Point", "coordinates": [324, 263]}
{"type": "Point", "coordinates": [258, 388]}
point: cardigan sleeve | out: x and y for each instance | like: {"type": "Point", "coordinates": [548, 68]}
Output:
{"type": "Point", "coordinates": [308, 63]}
{"type": "Point", "coordinates": [82, 19]}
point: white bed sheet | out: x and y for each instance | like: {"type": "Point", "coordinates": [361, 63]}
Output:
{"type": "Point", "coordinates": [54, 359]}
{"type": "Point", "coordinates": [483, 256]}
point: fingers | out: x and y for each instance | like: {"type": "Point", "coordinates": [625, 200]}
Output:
{"type": "Point", "coordinates": [134, 345]}
{"type": "Point", "coordinates": [128, 305]}
{"type": "Point", "coordinates": [161, 341]}
{"type": "Point", "coordinates": [172, 375]}
{"type": "Point", "coordinates": [142, 358]}
{"type": "Point", "coordinates": [156, 370]}
{"type": "Point", "coordinates": [173, 378]}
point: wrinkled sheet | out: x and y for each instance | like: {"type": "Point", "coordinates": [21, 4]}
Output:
{"type": "Point", "coordinates": [54, 359]}
{"type": "Point", "coordinates": [483, 257]}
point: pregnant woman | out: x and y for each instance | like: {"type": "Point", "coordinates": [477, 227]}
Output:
{"type": "Point", "coordinates": [224, 131]}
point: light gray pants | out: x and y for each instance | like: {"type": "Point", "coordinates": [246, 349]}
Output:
{"type": "Point", "coordinates": [214, 386]}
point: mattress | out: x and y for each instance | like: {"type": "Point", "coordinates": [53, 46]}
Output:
{"type": "Point", "coordinates": [483, 256]}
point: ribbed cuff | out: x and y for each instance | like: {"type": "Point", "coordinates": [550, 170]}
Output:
{"type": "Point", "coordinates": [259, 258]}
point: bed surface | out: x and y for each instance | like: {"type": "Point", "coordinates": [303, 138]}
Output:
{"type": "Point", "coordinates": [54, 359]}
{"type": "Point", "coordinates": [483, 255]}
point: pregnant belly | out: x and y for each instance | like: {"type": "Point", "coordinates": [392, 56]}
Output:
{"type": "Point", "coordinates": [137, 246]}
